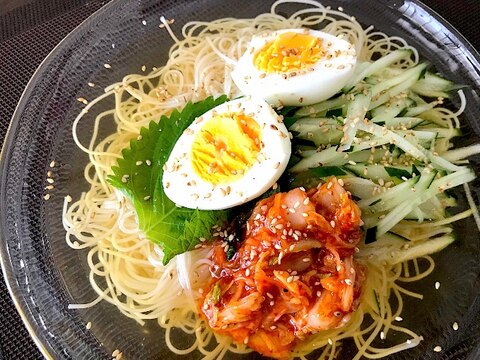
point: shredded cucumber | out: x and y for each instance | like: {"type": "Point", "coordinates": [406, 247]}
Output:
{"type": "Point", "coordinates": [388, 141]}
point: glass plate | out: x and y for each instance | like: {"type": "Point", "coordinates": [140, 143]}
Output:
{"type": "Point", "coordinates": [44, 275]}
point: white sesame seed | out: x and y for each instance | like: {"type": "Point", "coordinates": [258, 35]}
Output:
{"type": "Point", "coordinates": [348, 282]}
{"type": "Point", "coordinates": [88, 326]}
{"type": "Point", "coordinates": [52, 163]}
{"type": "Point", "coordinates": [144, 22]}
{"type": "Point", "coordinates": [50, 180]}
{"type": "Point", "coordinates": [91, 84]}
{"type": "Point", "coordinates": [107, 66]}
{"type": "Point", "coordinates": [455, 326]}
{"type": "Point", "coordinates": [115, 353]}
{"type": "Point", "coordinates": [247, 272]}
{"type": "Point", "coordinates": [46, 196]}
{"type": "Point", "coordinates": [437, 348]}
{"type": "Point", "coordinates": [437, 285]}
{"type": "Point", "coordinates": [382, 335]}
{"type": "Point", "coordinates": [398, 318]}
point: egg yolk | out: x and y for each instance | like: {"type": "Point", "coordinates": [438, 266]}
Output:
{"type": "Point", "coordinates": [289, 52]}
{"type": "Point", "coordinates": [225, 147]}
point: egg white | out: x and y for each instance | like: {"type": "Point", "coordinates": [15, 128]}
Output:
{"type": "Point", "coordinates": [184, 187]}
{"type": "Point", "coordinates": [324, 79]}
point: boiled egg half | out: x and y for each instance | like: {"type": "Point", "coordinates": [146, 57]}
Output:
{"type": "Point", "coordinates": [295, 67]}
{"type": "Point", "coordinates": [228, 156]}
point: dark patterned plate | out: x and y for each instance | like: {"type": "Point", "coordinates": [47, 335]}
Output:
{"type": "Point", "coordinates": [45, 275]}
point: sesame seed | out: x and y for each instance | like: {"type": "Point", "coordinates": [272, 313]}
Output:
{"type": "Point", "coordinates": [52, 163]}
{"type": "Point", "coordinates": [247, 272]}
{"type": "Point", "coordinates": [50, 180]}
{"type": "Point", "coordinates": [46, 196]}
{"type": "Point", "coordinates": [138, 163]}
{"type": "Point", "coordinates": [272, 303]}
{"type": "Point", "coordinates": [382, 335]}
{"type": "Point", "coordinates": [115, 353]}
{"type": "Point", "coordinates": [83, 100]}
{"type": "Point", "coordinates": [332, 224]}
{"type": "Point", "coordinates": [455, 326]}
{"type": "Point", "coordinates": [107, 66]}
{"type": "Point", "coordinates": [437, 348]}
{"type": "Point", "coordinates": [437, 285]}
{"type": "Point", "coordinates": [89, 325]}
{"type": "Point", "coordinates": [144, 22]}
{"type": "Point", "coordinates": [305, 260]}
{"type": "Point", "coordinates": [289, 279]}
{"type": "Point", "coordinates": [340, 182]}
{"type": "Point", "coordinates": [348, 282]}
{"type": "Point", "coordinates": [352, 162]}
{"type": "Point", "coordinates": [91, 84]}
{"type": "Point", "coordinates": [146, 198]}
{"type": "Point", "coordinates": [330, 342]}
{"type": "Point", "coordinates": [398, 318]}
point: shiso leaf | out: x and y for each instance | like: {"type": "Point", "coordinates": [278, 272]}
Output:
{"type": "Point", "coordinates": [175, 229]}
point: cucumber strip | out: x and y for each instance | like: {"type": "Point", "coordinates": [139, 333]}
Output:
{"type": "Point", "coordinates": [359, 187]}
{"type": "Point", "coordinates": [398, 172]}
{"type": "Point", "coordinates": [356, 111]}
{"type": "Point", "coordinates": [395, 250]}
{"type": "Point", "coordinates": [462, 153]}
{"type": "Point", "coordinates": [328, 156]}
{"type": "Point", "coordinates": [310, 123]}
{"type": "Point", "coordinates": [395, 192]}
{"type": "Point", "coordinates": [392, 92]}
{"type": "Point", "coordinates": [417, 110]}
{"type": "Point", "coordinates": [375, 141]}
{"type": "Point", "coordinates": [433, 85]}
{"type": "Point", "coordinates": [423, 248]}
{"type": "Point", "coordinates": [373, 172]}
{"type": "Point", "coordinates": [388, 203]}
{"type": "Point", "coordinates": [390, 110]}
{"type": "Point", "coordinates": [441, 132]}
{"type": "Point", "coordinates": [416, 151]}
{"type": "Point", "coordinates": [323, 106]}
{"type": "Point", "coordinates": [327, 171]}
{"type": "Point", "coordinates": [378, 66]}
{"type": "Point", "coordinates": [459, 177]}
{"type": "Point", "coordinates": [408, 76]}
